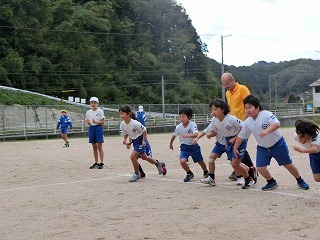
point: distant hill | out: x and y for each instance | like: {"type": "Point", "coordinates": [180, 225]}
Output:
{"type": "Point", "coordinates": [292, 77]}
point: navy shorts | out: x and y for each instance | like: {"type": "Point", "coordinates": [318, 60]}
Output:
{"type": "Point", "coordinates": [241, 149]}
{"type": "Point", "coordinates": [138, 147]}
{"type": "Point", "coordinates": [219, 149]}
{"type": "Point", "coordinates": [64, 130]}
{"type": "Point", "coordinates": [193, 151]}
{"type": "Point", "coordinates": [315, 162]}
{"type": "Point", "coordinates": [96, 134]}
{"type": "Point", "coordinates": [279, 152]}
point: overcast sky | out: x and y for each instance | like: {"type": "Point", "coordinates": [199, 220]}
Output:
{"type": "Point", "coordinates": [268, 30]}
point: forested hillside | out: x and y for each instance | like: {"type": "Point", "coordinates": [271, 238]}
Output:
{"type": "Point", "coordinates": [118, 50]}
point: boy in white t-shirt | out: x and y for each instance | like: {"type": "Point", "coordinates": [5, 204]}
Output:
{"type": "Point", "coordinates": [187, 131]}
{"type": "Point", "coordinates": [271, 144]}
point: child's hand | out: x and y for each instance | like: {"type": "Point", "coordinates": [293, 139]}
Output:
{"type": "Point", "coordinates": [263, 133]}
{"type": "Point", "coordinates": [93, 120]}
{"type": "Point", "coordinates": [128, 145]}
{"type": "Point", "coordinates": [171, 146]}
{"type": "Point", "coordinates": [208, 136]}
{"type": "Point", "coordinates": [71, 129]}
{"type": "Point", "coordinates": [86, 121]}
{"type": "Point", "coordinates": [195, 141]}
{"type": "Point", "coordinates": [236, 153]}
{"type": "Point", "coordinates": [185, 135]}
{"type": "Point", "coordinates": [297, 149]}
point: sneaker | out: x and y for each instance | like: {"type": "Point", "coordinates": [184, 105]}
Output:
{"type": "Point", "coordinates": [142, 175]}
{"type": "Point", "coordinates": [208, 180]}
{"type": "Point", "coordinates": [233, 176]}
{"type": "Point", "coordinates": [254, 174]}
{"type": "Point", "coordinates": [188, 177]}
{"type": "Point", "coordinates": [302, 184]}
{"type": "Point", "coordinates": [240, 181]}
{"type": "Point", "coordinates": [248, 183]}
{"type": "Point", "coordinates": [134, 177]}
{"type": "Point", "coordinates": [164, 169]}
{"type": "Point", "coordinates": [270, 185]}
{"type": "Point", "coordinates": [67, 144]}
{"type": "Point", "coordinates": [161, 168]}
{"type": "Point", "coordinates": [102, 166]}
{"type": "Point", "coordinates": [206, 174]}
{"type": "Point", "coordinates": [95, 165]}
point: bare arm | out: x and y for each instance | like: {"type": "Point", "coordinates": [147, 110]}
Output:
{"type": "Point", "coordinates": [171, 142]}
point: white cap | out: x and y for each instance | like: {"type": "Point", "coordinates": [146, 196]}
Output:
{"type": "Point", "coordinates": [140, 108]}
{"type": "Point", "coordinates": [94, 99]}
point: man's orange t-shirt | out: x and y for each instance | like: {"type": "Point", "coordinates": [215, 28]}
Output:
{"type": "Point", "coordinates": [235, 101]}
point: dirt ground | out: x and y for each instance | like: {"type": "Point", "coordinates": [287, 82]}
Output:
{"type": "Point", "coordinates": [49, 192]}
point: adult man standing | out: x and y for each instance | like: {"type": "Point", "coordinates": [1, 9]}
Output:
{"type": "Point", "coordinates": [235, 95]}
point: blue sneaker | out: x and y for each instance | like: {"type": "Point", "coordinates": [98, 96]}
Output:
{"type": "Point", "coordinates": [134, 177]}
{"type": "Point", "coordinates": [270, 185]}
{"type": "Point", "coordinates": [302, 184]}
{"type": "Point", "coordinates": [188, 177]}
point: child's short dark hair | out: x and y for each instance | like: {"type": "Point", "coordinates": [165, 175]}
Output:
{"type": "Point", "coordinates": [219, 103]}
{"type": "Point", "coordinates": [187, 111]}
{"type": "Point", "coordinates": [253, 100]}
{"type": "Point", "coordinates": [305, 126]}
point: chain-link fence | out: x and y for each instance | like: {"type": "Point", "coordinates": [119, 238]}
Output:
{"type": "Point", "coordinates": [30, 122]}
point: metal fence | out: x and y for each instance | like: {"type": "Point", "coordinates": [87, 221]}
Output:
{"type": "Point", "coordinates": [30, 122]}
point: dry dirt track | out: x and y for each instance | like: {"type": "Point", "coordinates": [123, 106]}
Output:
{"type": "Point", "coordinates": [48, 192]}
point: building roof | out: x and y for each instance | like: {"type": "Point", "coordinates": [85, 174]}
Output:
{"type": "Point", "coordinates": [315, 84]}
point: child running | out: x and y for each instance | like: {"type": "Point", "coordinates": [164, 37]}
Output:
{"type": "Point", "coordinates": [187, 131]}
{"type": "Point", "coordinates": [64, 121]}
{"type": "Point", "coordinates": [229, 126]}
{"type": "Point", "coordinates": [95, 118]}
{"type": "Point", "coordinates": [137, 133]}
{"type": "Point", "coordinates": [307, 134]}
{"type": "Point", "coordinates": [271, 144]}
{"type": "Point", "coordinates": [217, 151]}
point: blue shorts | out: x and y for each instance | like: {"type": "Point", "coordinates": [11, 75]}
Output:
{"type": "Point", "coordinates": [193, 151]}
{"type": "Point", "coordinates": [279, 152]}
{"type": "Point", "coordinates": [315, 162]}
{"type": "Point", "coordinates": [64, 130]}
{"type": "Point", "coordinates": [96, 134]}
{"type": "Point", "coordinates": [138, 147]}
{"type": "Point", "coordinates": [241, 149]}
{"type": "Point", "coordinates": [219, 149]}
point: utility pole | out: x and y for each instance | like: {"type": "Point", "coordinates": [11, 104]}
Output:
{"type": "Point", "coordinates": [163, 105]}
{"type": "Point", "coordinates": [223, 94]}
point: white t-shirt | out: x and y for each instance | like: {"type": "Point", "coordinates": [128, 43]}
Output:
{"type": "Point", "coordinates": [134, 129]}
{"type": "Point", "coordinates": [228, 127]}
{"type": "Point", "coordinates": [190, 129]}
{"type": "Point", "coordinates": [221, 139]}
{"type": "Point", "coordinates": [97, 115]}
{"type": "Point", "coordinates": [313, 141]}
{"type": "Point", "coordinates": [263, 121]}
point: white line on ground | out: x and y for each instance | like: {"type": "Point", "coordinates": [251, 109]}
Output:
{"type": "Point", "coordinates": [225, 185]}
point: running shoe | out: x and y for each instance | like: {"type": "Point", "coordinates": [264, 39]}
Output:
{"type": "Point", "coordinates": [134, 178]}
{"type": "Point", "coordinates": [161, 167]}
{"type": "Point", "coordinates": [94, 166]}
{"type": "Point", "coordinates": [233, 176]}
{"type": "Point", "coordinates": [302, 184]}
{"type": "Point", "coordinates": [270, 185]}
{"type": "Point", "coordinates": [102, 166]}
{"type": "Point", "coordinates": [188, 177]}
{"type": "Point", "coordinates": [208, 180]}
{"type": "Point", "coordinates": [248, 183]}
{"type": "Point", "coordinates": [240, 181]}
